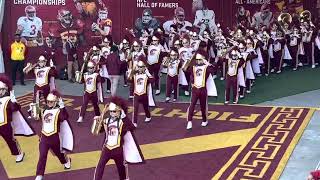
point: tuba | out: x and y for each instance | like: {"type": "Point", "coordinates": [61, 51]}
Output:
{"type": "Point", "coordinates": [79, 74]}
{"type": "Point", "coordinates": [284, 19]}
{"type": "Point", "coordinates": [305, 16]}
{"type": "Point", "coordinates": [98, 122]}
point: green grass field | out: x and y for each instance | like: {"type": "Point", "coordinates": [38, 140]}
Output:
{"type": "Point", "coordinates": [271, 87]}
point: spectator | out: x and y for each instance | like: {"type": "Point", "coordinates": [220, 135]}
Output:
{"type": "Point", "coordinates": [17, 55]}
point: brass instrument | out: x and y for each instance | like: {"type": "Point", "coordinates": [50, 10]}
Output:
{"type": "Point", "coordinates": [98, 122]}
{"type": "Point", "coordinates": [305, 16]}
{"type": "Point", "coordinates": [187, 63]}
{"type": "Point", "coordinates": [29, 67]}
{"type": "Point", "coordinates": [233, 42]}
{"type": "Point", "coordinates": [36, 111]}
{"type": "Point", "coordinates": [166, 61]}
{"type": "Point", "coordinates": [79, 74]}
{"type": "Point", "coordinates": [285, 19]}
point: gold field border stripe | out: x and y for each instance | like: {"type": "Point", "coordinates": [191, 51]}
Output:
{"type": "Point", "coordinates": [292, 145]}
{"type": "Point", "coordinates": [257, 105]}
{"type": "Point", "coordinates": [236, 154]}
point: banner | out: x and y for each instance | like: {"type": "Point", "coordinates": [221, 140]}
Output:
{"type": "Point", "coordinates": [46, 24]}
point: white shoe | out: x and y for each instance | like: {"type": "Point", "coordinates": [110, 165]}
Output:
{"type": "Point", "coordinates": [147, 119]}
{"type": "Point", "coordinates": [186, 93]}
{"type": "Point", "coordinates": [167, 99]}
{"type": "Point", "coordinates": [108, 91]}
{"type": "Point", "coordinates": [174, 100]}
{"type": "Point", "coordinates": [316, 64]}
{"type": "Point", "coordinates": [189, 125]}
{"type": "Point", "coordinates": [39, 177]}
{"type": "Point", "coordinates": [80, 120]}
{"type": "Point", "coordinates": [284, 65]}
{"type": "Point", "coordinates": [272, 70]}
{"type": "Point", "coordinates": [135, 124]}
{"type": "Point", "coordinates": [226, 102]}
{"type": "Point", "coordinates": [266, 74]}
{"type": "Point", "coordinates": [204, 124]}
{"type": "Point", "coordinates": [248, 91]}
{"type": "Point", "coordinates": [157, 91]}
{"type": "Point", "coordinates": [300, 64]}
{"type": "Point", "coordinates": [278, 72]}
{"type": "Point", "coordinates": [67, 165]}
{"type": "Point", "coordinates": [222, 78]}
{"type": "Point", "coordinates": [19, 158]}
{"type": "Point", "coordinates": [294, 69]}
{"type": "Point", "coordinates": [130, 97]}
{"type": "Point", "coordinates": [241, 96]}
{"type": "Point", "coordinates": [313, 66]}
{"type": "Point", "coordinates": [234, 102]}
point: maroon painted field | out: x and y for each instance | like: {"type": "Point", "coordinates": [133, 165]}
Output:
{"type": "Point", "coordinates": [278, 130]}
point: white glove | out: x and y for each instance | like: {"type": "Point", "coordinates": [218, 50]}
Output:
{"type": "Point", "coordinates": [12, 97]}
{"type": "Point", "coordinates": [60, 103]}
{"type": "Point", "coordinates": [120, 46]}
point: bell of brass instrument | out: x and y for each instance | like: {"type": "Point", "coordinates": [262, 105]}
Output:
{"type": "Point", "coordinates": [305, 16]}
{"type": "Point", "coordinates": [285, 19]}
{"type": "Point", "coordinates": [166, 61]}
{"type": "Point", "coordinates": [98, 122]}
{"type": "Point", "coordinates": [35, 111]}
{"type": "Point", "coordinates": [79, 74]}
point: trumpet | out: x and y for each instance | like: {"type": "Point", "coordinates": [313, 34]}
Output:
{"type": "Point", "coordinates": [79, 74]}
{"type": "Point", "coordinates": [305, 16]}
{"type": "Point", "coordinates": [166, 61]}
{"type": "Point", "coordinates": [233, 42]}
{"type": "Point", "coordinates": [29, 67]}
{"type": "Point", "coordinates": [98, 122]}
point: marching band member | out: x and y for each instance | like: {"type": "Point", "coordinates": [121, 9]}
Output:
{"type": "Point", "coordinates": [56, 133]}
{"type": "Point", "coordinates": [45, 80]}
{"type": "Point", "coordinates": [12, 121]}
{"type": "Point", "coordinates": [195, 40]}
{"type": "Point", "coordinates": [266, 51]}
{"type": "Point", "coordinates": [173, 65]}
{"type": "Point", "coordinates": [241, 73]}
{"type": "Point", "coordinates": [202, 86]}
{"type": "Point", "coordinates": [173, 36]}
{"type": "Point", "coordinates": [185, 54]}
{"type": "Point", "coordinates": [92, 90]}
{"type": "Point", "coordinates": [142, 80]}
{"type": "Point", "coordinates": [113, 65]}
{"type": "Point", "coordinates": [154, 57]}
{"type": "Point", "coordinates": [221, 45]}
{"type": "Point", "coordinates": [294, 40]}
{"type": "Point", "coordinates": [249, 69]}
{"type": "Point", "coordinates": [317, 48]}
{"type": "Point", "coordinates": [125, 54]}
{"type": "Point", "coordinates": [137, 55]}
{"type": "Point", "coordinates": [278, 49]}
{"type": "Point", "coordinates": [308, 44]}
{"type": "Point", "coordinates": [120, 143]}
{"type": "Point", "coordinates": [234, 61]}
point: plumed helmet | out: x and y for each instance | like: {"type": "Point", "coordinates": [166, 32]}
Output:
{"type": "Point", "coordinates": [5, 82]}
{"type": "Point", "coordinates": [54, 95]}
{"type": "Point", "coordinates": [91, 64]}
{"type": "Point", "coordinates": [118, 104]}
